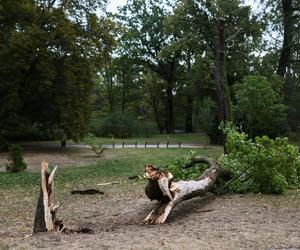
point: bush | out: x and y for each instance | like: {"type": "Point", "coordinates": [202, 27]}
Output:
{"type": "Point", "coordinates": [16, 161]}
{"type": "Point", "coordinates": [267, 165]}
{"type": "Point", "coordinates": [122, 125]}
{"type": "Point", "coordinates": [95, 144]}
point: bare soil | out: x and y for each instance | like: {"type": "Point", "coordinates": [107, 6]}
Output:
{"type": "Point", "coordinates": [70, 156]}
{"type": "Point", "coordinates": [115, 220]}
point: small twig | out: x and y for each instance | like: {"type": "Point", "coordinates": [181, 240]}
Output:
{"type": "Point", "coordinates": [63, 229]}
{"type": "Point", "coordinates": [135, 177]}
{"type": "Point", "coordinates": [234, 35]}
{"type": "Point", "coordinates": [108, 183]}
{"type": "Point", "coordinates": [204, 211]}
{"type": "Point", "coordinates": [238, 176]}
{"type": "Point", "coordinates": [87, 191]}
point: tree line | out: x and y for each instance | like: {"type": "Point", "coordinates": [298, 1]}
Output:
{"type": "Point", "coordinates": [66, 65]}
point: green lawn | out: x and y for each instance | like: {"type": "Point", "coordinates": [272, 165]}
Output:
{"type": "Point", "coordinates": [122, 164]}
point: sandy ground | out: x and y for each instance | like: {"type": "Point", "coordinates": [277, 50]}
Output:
{"type": "Point", "coordinates": [33, 155]}
{"type": "Point", "coordinates": [116, 218]}
{"type": "Point", "coordinates": [116, 221]}
{"type": "Point", "coordinates": [70, 156]}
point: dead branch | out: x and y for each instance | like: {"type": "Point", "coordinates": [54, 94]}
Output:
{"type": "Point", "coordinates": [169, 193]}
{"type": "Point", "coordinates": [87, 191]}
{"type": "Point", "coordinates": [108, 183]}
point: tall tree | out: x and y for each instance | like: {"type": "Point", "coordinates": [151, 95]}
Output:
{"type": "Point", "coordinates": [48, 61]}
{"type": "Point", "coordinates": [145, 37]}
{"type": "Point", "coordinates": [284, 19]}
{"type": "Point", "coordinates": [227, 31]}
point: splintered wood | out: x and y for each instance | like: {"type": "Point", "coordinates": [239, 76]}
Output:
{"type": "Point", "coordinates": [45, 216]}
{"type": "Point", "coordinates": [169, 193]}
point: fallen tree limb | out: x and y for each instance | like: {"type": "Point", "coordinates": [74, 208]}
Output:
{"type": "Point", "coordinates": [108, 183]}
{"type": "Point", "coordinates": [169, 193]}
{"type": "Point", "coordinates": [45, 216]}
{"type": "Point", "coordinates": [87, 191]}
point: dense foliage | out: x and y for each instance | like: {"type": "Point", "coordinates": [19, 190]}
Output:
{"type": "Point", "coordinates": [263, 165]}
{"type": "Point", "coordinates": [184, 65]}
{"type": "Point", "coordinates": [259, 106]}
{"type": "Point", "coordinates": [15, 159]}
{"type": "Point", "coordinates": [50, 52]}
{"type": "Point", "coordinates": [254, 165]}
{"type": "Point", "coordinates": [122, 125]}
{"type": "Point", "coordinates": [176, 167]}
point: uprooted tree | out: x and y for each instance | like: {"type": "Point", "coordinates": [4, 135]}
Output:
{"type": "Point", "coordinates": [45, 216]}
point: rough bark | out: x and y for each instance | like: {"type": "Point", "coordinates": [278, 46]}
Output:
{"type": "Point", "coordinates": [169, 193]}
{"type": "Point", "coordinates": [109, 81]}
{"type": "Point", "coordinates": [286, 51]}
{"type": "Point", "coordinates": [45, 216]}
{"type": "Point", "coordinates": [156, 114]}
{"type": "Point", "coordinates": [224, 103]}
{"type": "Point", "coordinates": [169, 108]}
{"type": "Point", "coordinates": [189, 114]}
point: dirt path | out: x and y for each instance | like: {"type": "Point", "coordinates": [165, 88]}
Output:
{"type": "Point", "coordinates": [227, 222]}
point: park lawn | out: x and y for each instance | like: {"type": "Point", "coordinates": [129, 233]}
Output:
{"type": "Point", "coordinates": [116, 164]}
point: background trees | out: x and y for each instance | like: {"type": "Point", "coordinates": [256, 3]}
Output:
{"type": "Point", "coordinates": [66, 65]}
{"type": "Point", "coordinates": [50, 52]}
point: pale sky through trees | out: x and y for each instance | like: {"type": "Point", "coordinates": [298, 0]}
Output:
{"type": "Point", "coordinates": [112, 6]}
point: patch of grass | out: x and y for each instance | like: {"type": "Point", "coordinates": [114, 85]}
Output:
{"type": "Point", "coordinates": [125, 163]}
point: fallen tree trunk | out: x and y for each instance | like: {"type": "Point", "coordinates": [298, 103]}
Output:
{"type": "Point", "coordinates": [45, 216]}
{"type": "Point", "coordinates": [169, 193]}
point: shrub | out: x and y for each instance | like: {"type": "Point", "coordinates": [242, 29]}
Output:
{"type": "Point", "coordinates": [95, 144]}
{"type": "Point", "coordinates": [122, 125]}
{"type": "Point", "coordinates": [264, 165]}
{"type": "Point", "coordinates": [15, 158]}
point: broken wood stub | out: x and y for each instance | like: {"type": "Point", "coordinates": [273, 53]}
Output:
{"type": "Point", "coordinates": [45, 216]}
{"type": "Point", "coordinates": [169, 193]}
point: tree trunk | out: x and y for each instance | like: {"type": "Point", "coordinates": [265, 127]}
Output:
{"type": "Point", "coordinates": [156, 115]}
{"type": "Point", "coordinates": [169, 193]}
{"type": "Point", "coordinates": [189, 114]}
{"type": "Point", "coordinates": [224, 103]}
{"type": "Point", "coordinates": [45, 216]}
{"type": "Point", "coordinates": [123, 91]}
{"type": "Point", "coordinates": [109, 82]}
{"type": "Point", "coordinates": [286, 51]}
{"type": "Point", "coordinates": [169, 108]}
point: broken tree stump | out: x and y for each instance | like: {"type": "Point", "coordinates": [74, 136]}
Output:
{"type": "Point", "coordinates": [169, 193]}
{"type": "Point", "coordinates": [45, 216]}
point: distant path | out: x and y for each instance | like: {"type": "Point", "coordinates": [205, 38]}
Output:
{"type": "Point", "coordinates": [120, 145]}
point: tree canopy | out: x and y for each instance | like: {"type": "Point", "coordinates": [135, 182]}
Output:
{"type": "Point", "coordinates": [66, 65]}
